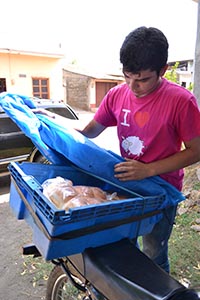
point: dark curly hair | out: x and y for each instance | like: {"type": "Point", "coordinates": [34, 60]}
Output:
{"type": "Point", "coordinates": [144, 48]}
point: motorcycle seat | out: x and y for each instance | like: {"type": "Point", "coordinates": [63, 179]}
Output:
{"type": "Point", "coordinates": [120, 271]}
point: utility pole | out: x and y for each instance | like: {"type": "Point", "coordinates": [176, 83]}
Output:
{"type": "Point", "coordinates": [197, 58]}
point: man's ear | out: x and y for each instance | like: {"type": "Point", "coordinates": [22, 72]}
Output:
{"type": "Point", "coordinates": [163, 70]}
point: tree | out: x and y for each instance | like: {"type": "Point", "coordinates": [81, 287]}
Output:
{"type": "Point", "coordinates": [171, 74]}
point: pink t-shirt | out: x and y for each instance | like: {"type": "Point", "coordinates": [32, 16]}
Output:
{"type": "Point", "coordinates": [152, 127]}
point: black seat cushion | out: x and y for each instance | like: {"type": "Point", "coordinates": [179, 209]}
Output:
{"type": "Point", "coordinates": [122, 272]}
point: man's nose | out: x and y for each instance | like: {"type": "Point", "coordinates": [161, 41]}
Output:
{"type": "Point", "coordinates": [133, 84]}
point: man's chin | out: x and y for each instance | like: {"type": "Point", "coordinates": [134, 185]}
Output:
{"type": "Point", "coordinates": [138, 95]}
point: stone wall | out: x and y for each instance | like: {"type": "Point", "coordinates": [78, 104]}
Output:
{"type": "Point", "coordinates": [77, 90]}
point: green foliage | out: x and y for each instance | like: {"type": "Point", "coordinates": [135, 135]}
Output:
{"type": "Point", "coordinates": [74, 62]}
{"type": "Point", "coordinates": [37, 267]}
{"type": "Point", "coordinates": [171, 74]}
{"type": "Point", "coordinates": [184, 248]}
{"type": "Point", "coordinates": [191, 86]}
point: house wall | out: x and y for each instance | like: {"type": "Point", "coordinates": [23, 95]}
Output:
{"type": "Point", "coordinates": [77, 90]}
{"type": "Point", "coordinates": [81, 90]}
{"type": "Point", "coordinates": [184, 72]}
{"type": "Point", "coordinates": [184, 77]}
{"type": "Point", "coordinates": [18, 69]}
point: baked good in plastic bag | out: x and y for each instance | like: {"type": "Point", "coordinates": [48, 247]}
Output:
{"type": "Point", "coordinates": [65, 195]}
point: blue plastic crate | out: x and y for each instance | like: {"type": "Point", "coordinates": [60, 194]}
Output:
{"type": "Point", "coordinates": [58, 233]}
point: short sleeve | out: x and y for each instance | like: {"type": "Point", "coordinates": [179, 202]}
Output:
{"type": "Point", "coordinates": [188, 121]}
{"type": "Point", "coordinates": [104, 114]}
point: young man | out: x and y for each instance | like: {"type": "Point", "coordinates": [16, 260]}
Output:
{"type": "Point", "coordinates": [158, 125]}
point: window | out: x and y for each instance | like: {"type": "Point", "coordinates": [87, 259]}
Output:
{"type": "Point", "coordinates": [41, 87]}
{"type": "Point", "coordinates": [2, 85]}
{"type": "Point", "coordinates": [183, 83]}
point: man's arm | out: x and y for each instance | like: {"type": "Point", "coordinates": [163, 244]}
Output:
{"type": "Point", "coordinates": [92, 130]}
{"type": "Point", "coordinates": [135, 170]}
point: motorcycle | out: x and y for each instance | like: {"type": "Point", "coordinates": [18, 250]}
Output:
{"type": "Point", "coordinates": [89, 263]}
{"type": "Point", "coordinates": [92, 246]}
{"type": "Point", "coordinates": [117, 271]}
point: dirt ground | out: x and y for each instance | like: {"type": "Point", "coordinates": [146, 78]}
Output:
{"type": "Point", "coordinates": [13, 235]}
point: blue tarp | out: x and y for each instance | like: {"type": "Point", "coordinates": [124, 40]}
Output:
{"type": "Point", "coordinates": [61, 144]}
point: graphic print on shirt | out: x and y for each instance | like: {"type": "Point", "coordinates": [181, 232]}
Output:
{"type": "Point", "coordinates": [133, 144]}
{"type": "Point", "coordinates": [126, 112]}
{"type": "Point", "coordinates": [141, 118]}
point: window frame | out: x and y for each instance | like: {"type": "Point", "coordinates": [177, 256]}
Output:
{"type": "Point", "coordinates": [41, 93]}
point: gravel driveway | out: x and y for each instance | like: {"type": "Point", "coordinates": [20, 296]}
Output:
{"type": "Point", "coordinates": [13, 235]}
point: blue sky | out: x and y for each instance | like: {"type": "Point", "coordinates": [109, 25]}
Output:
{"type": "Point", "coordinates": [91, 32]}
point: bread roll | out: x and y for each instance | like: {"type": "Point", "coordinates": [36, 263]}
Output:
{"type": "Point", "coordinates": [80, 200]}
{"type": "Point", "coordinates": [92, 192]}
{"type": "Point", "coordinates": [65, 195]}
{"type": "Point", "coordinates": [75, 202]}
{"type": "Point", "coordinates": [59, 194]}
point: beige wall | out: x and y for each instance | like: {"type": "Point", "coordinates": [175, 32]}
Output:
{"type": "Point", "coordinates": [18, 69]}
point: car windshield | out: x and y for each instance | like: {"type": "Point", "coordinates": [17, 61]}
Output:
{"type": "Point", "coordinates": [62, 111]}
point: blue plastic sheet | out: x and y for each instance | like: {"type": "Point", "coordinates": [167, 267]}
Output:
{"type": "Point", "coordinates": [60, 144]}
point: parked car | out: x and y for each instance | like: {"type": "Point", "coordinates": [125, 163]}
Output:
{"type": "Point", "coordinates": [15, 146]}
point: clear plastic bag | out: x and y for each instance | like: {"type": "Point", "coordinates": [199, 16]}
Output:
{"type": "Point", "coordinates": [65, 195]}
